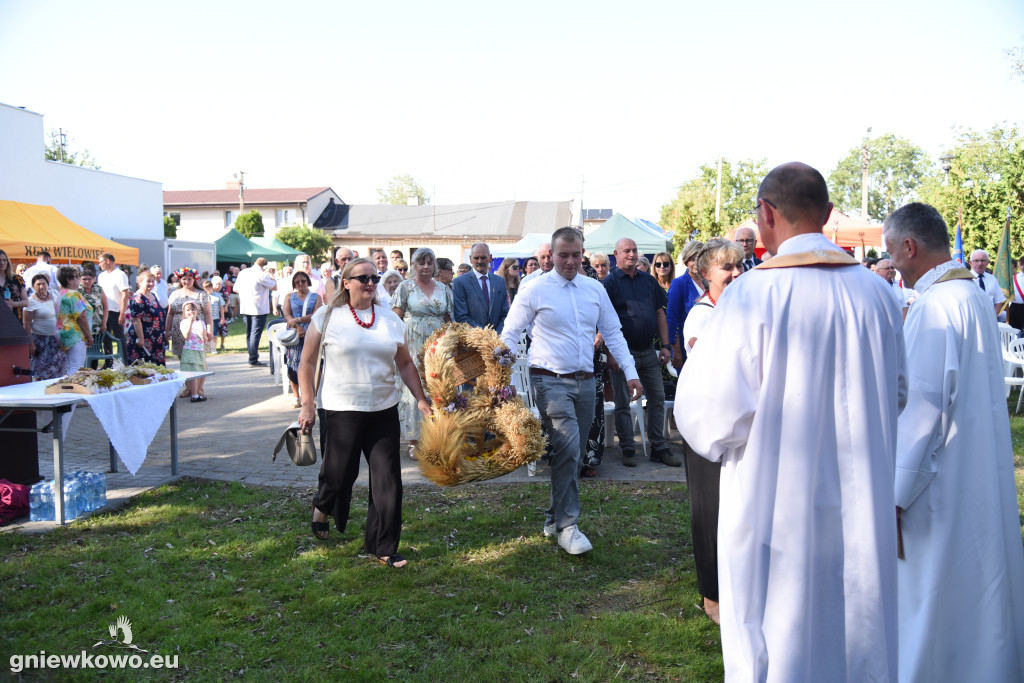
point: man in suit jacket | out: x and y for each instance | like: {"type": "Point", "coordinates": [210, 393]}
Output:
{"type": "Point", "coordinates": [747, 239]}
{"type": "Point", "coordinates": [480, 297]}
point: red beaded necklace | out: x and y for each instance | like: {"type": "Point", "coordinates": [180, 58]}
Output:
{"type": "Point", "coordinates": [711, 298]}
{"type": "Point", "coordinates": [373, 316]}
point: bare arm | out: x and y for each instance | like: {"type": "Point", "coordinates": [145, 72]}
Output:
{"type": "Point", "coordinates": [26, 320]}
{"type": "Point", "coordinates": [307, 372]}
{"type": "Point", "coordinates": [665, 354]}
{"type": "Point", "coordinates": [124, 296]}
{"type": "Point", "coordinates": [85, 326]}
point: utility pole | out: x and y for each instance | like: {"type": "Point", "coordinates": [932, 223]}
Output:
{"type": "Point", "coordinates": [63, 137]}
{"type": "Point", "coordinates": [240, 176]}
{"type": "Point", "coordinates": [865, 157]}
{"type": "Point", "coordinates": [718, 192]}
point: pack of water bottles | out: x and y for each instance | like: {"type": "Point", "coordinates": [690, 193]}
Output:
{"type": "Point", "coordinates": [83, 492]}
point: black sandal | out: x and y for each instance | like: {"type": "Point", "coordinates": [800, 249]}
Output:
{"type": "Point", "coordinates": [320, 528]}
{"type": "Point", "coordinates": [393, 560]}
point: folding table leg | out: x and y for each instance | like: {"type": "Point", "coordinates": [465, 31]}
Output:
{"type": "Point", "coordinates": [58, 464]}
{"type": "Point", "coordinates": [113, 458]}
{"type": "Point", "coordinates": [174, 438]}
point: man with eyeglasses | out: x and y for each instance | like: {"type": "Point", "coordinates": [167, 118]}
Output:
{"type": "Point", "coordinates": [885, 269]}
{"type": "Point", "coordinates": [747, 239]}
{"type": "Point", "coordinates": [445, 271]}
{"type": "Point", "coordinates": [799, 377]}
{"type": "Point", "coordinates": [987, 281]}
{"type": "Point", "coordinates": [639, 301]}
{"type": "Point", "coordinates": [341, 258]}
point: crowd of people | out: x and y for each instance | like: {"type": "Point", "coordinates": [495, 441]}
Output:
{"type": "Point", "coordinates": [846, 441]}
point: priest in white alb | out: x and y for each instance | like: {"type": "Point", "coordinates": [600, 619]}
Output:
{"type": "Point", "coordinates": [800, 376]}
{"type": "Point", "coordinates": [961, 577]}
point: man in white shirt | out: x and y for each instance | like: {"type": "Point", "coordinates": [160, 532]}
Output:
{"type": "Point", "coordinates": [114, 283]}
{"type": "Point", "coordinates": [799, 377]}
{"type": "Point", "coordinates": [42, 265]}
{"type": "Point", "coordinates": [961, 576]}
{"type": "Point", "coordinates": [987, 281]}
{"type": "Point", "coordinates": [566, 312]}
{"type": "Point", "coordinates": [544, 258]}
{"type": "Point", "coordinates": [160, 288]}
{"type": "Point", "coordinates": [254, 286]}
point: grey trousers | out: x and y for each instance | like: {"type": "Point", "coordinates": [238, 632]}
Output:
{"type": "Point", "coordinates": [566, 411]}
{"type": "Point", "coordinates": [649, 370]}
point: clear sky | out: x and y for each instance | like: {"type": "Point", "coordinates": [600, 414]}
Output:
{"type": "Point", "coordinates": [493, 101]}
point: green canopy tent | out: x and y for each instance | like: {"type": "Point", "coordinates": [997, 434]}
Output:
{"type": "Point", "coordinates": [603, 239]}
{"type": "Point", "coordinates": [278, 245]}
{"type": "Point", "coordinates": [233, 247]}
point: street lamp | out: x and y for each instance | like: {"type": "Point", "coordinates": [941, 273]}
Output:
{"type": "Point", "coordinates": [946, 165]}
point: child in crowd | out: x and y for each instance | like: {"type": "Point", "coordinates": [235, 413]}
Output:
{"type": "Point", "coordinates": [220, 326]}
{"type": "Point", "coordinates": [193, 354]}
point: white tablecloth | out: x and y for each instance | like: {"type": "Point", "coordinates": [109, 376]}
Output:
{"type": "Point", "coordinates": [130, 416]}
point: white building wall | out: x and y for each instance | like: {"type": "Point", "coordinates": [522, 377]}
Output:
{"type": "Point", "coordinates": [108, 204]}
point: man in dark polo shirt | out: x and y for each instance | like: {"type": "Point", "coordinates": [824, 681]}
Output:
{"type": "Point", "coordinates": [640, 304]}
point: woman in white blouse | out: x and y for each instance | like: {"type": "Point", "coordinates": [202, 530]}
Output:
{"type": "Point", "coordinates": [358, 399]}
{"type": "Point", "coordinates": [40, 320]}
{"type": "Point", "coordinates": [718, 264]}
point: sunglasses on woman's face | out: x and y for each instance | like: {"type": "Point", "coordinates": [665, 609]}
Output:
{"type": "Point", "coordinates": [366, 279]}
{"type": "Point", "coordinates": [402, 270]}
{"type": "Point", "coordinates": [513, 267]}
{"type": "Point", "coordinates": [662, 264]}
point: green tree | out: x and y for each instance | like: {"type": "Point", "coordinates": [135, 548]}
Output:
{"type": "Point", "coordinates": [986, 176]}
{"type": "Point", "coordinates": [692, 213]}
{"type": "Point", "coordinates": [250, 224]}
{"type": "Point", "coordinates": [895, 169]}
{"type": "Point", "coordinates": [53, 152]}
{"type": "Point", "coordinates": [400, 189]}
{"type": "Point", "coordinates": [170, 227]}
{"type": "Point", "coordinates": [308, 240]}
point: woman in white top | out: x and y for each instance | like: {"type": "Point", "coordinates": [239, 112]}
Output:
{"type": "Point", "coordinates": [718, 264]}
{"type": "Point", "coordinates": [365, 344]}
{"type": "Point", "coordinates": [40, 320]}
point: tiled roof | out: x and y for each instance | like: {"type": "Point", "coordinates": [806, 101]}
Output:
{"type": "Point", "coordinates": [286, 195]}
{"type": "Point", "coordinates": [495, 219]}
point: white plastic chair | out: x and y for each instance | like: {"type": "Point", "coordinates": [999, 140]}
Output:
{"type": "Point", "coordinates": [277, 352]}
{"type": "Point", "coordinates": [1015, 356]}
{"type": "Point", "coordinates": [636, 411]}
{"type": "Point", "coordinates": [524, 389]}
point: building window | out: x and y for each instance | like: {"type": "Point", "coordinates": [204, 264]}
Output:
{"type": "Point", "coordinates": [283, 217]}
{"type": "Point", "coordinates": [176, 217]}
{"type": "Point", "coordinates": [229, 219]}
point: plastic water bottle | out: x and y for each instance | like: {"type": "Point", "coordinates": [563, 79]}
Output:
{"type": "Point", "coordinates": [72, 498]}
{"type": "Point", "coordinates": [101, 488]}
{"type": "Point", "coordinates": [35, 502]}
{"type": "Point", "coordinates": [46, 510]}
{"type": "Point", "coordinates": [88, 491]}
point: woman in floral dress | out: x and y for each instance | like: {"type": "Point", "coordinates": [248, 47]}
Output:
{"type": "Point", "coordinates": [424, 304]}
{"type": "Point", "coordinates": [144, 326]}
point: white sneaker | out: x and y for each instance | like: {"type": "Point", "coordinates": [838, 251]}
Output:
{"type": "Point", "coordinates": [550, 530]}
{"type": "Point", "coordinates": [573, 541]}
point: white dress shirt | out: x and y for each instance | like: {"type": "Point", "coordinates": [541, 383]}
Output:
{"type": "Point", "coordinates": [566, 314]}
{"type": "Point", "coordinates": [991, 287]}
{"type": "Point", "coordinates": [160, 289]}
{"type": "Point", "coordinates": [252, 287]}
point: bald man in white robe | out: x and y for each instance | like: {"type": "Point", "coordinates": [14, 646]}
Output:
{"type": "Point", "coordinates": [961, 579]}
{"type": "Point", "coordinates": [800, 377]}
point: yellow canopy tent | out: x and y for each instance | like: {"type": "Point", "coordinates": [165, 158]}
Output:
{"type": "Point", "coordinates": [27, 229]}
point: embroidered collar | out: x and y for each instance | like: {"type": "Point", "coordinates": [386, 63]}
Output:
{"type": "Point", "coordinates": [929, 278]}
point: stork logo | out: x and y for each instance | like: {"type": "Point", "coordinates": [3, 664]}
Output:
{"type": "Point", "coordinates": [125, 627]}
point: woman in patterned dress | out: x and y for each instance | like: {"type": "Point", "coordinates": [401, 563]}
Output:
{"type": "Point", "coordinates": [144, 325]}
{"type": "Point", "coordinates": [74, 319]}
{"type": "Point", "coordinates": [424, 304]}
{"type": "Point", "coordinates": [593, 454]}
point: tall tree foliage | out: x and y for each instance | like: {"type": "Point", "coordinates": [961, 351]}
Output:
{"type": "Point", "coordinates": [692, 213]}
{"type": "Point", "coordinates": [895, 170]}
{"type": "Point", "coordinates": [52, 152]}
{"type": "Point", "coordinates": [308, 240]}
{"type": "Point", "coordinates": [400, 189]}
{"type": "Point", "coordinates": [250, 224]}
{"type": "Point", "coordinates": [986, 177]}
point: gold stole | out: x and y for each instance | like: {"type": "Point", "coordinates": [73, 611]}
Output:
{"type": "Point", "coordinates": [817, 257]}
{"type": "Point", "coordinates": [955, 274]}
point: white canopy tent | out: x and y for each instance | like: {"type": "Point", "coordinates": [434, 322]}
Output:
{"type": "Point", "coordinates": [524, 247]}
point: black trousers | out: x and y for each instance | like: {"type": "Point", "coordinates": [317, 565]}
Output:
{"type": "Point", "coordinates": [703, 481]}
{"type": "Point", "coordinates": [1015, 316]}
{"type": "Point", "coordinates": [344, 435]}
{"type": "Point", "coordinates": [114, 328]}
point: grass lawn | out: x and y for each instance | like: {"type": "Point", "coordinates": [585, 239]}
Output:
{"type": "Point", "coordinates": [235, 341]}
{"type": "Point", "coordinates": [229, 578]}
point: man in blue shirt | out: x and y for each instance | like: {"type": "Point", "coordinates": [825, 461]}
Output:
{"type": "Point", "coordinates": [640, 302]}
